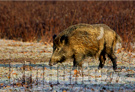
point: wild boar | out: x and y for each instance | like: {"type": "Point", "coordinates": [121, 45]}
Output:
{"type": "Point", "coordinates": [82, 40]}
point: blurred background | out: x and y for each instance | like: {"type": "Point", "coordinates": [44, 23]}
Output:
{"type": "Point", "coordinates": [40, 20]}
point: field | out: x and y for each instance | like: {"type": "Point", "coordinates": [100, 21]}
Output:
{"type": "Point", "coordinates": [26, 30]}
{"type": "Point", "coordinates": [24, 67]}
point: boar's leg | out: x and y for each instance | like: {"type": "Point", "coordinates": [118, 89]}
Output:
{"type": "Point", "coordinates": [102, 59]}
{"type": "Point", "coordinates": [113, 59]}
{"type": "Point", "coordinates": [75, 64]}
{"type": "Point", "coordinates": [77, 61]}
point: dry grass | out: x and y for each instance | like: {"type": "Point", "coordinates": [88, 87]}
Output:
{"type": "Point", "coordinates": [38, 21]}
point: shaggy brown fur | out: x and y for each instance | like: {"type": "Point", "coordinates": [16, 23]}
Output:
{"type": "Point", "coordinates": [82, 40]}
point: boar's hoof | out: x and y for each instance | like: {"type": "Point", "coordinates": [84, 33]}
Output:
{"type": "Point", "coordinates": [50, 64]}
{"type": "Point", "coordinates": [99, 68]}
{"type": "Point", "coordinates": [114, 68]}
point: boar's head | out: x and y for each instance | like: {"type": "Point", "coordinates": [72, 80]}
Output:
{"type": "Point", "coordinates": [61, 50]}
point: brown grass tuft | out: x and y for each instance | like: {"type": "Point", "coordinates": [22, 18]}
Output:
{"type": "Point", "coordinates": [38, 21]}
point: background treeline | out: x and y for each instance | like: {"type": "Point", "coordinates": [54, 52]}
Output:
{"type": "Point", "coordinates": [38, 21]}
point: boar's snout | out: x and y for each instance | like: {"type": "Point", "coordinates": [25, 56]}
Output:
{"type": "Point", "coordinates": [50, 63]}
{"type": "Point", "coordinates": [54, 61]}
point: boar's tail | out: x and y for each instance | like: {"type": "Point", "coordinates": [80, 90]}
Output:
{"type": "Point", "coordinates": [118, 38]}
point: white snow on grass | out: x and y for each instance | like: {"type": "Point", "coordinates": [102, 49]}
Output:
{"type": "Point", "coordinates": [64, 78]}
{"type": "Point", "coordinates": [40, 77]}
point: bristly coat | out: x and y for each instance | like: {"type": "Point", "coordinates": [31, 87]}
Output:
{"type": "Point", "coordinates": [82, 40]}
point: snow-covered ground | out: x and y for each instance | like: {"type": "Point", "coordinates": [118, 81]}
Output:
{"type": "Point", "coordinates": [38, 76]}
{"type": "Point", "coordinates": [63, 78]}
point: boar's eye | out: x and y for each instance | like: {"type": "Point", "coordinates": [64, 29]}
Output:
{"type": "Point", "coordinates": [57, 49]}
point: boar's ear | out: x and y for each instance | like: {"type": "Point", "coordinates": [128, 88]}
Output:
{"type": "Point", "coordinates": [54, 36]}
{"type": "Point", "coordinates": [64, 39]}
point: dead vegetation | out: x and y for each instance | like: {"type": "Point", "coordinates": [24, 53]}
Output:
{"type": "Point", "coordinates": [38, 21]}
